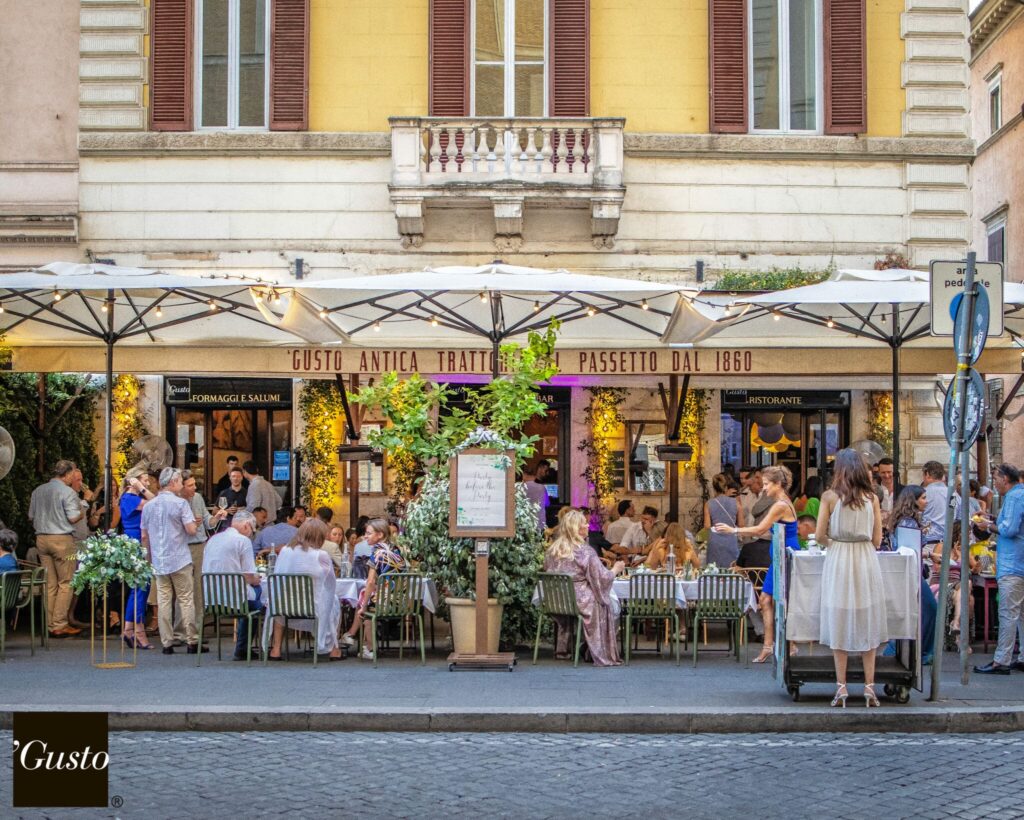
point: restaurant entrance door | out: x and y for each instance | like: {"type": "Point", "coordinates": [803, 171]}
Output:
{"type": "Point", "coordinates": [211, 419]}
{"type": "Point", "coordinates": [802, 430]}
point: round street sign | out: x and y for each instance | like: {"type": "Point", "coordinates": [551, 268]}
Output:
{"type": "Point", "coordinates": [979, 329]}
{"type": "Point", "coordinates": [974, 412]}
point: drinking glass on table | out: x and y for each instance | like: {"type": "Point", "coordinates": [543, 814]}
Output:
{"type": "Point", "coordinates": [222, 502]}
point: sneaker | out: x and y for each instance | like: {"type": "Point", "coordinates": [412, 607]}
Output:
{"type": "Point", "coordinates": [367, 655]}
{"type": "Point", "coordinates": [348, 640]}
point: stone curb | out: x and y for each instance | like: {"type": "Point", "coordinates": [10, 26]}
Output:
{"type": "Point", "coordinates": [932, 720]}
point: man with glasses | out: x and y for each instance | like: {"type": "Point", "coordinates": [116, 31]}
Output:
{"type": "Point", "coordinates": [231, 551]}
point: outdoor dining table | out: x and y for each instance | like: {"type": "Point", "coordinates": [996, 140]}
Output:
{"type": "Point", "coordinates": [686, 592]}
{"type": "Point", "coordinates": [348, 589]}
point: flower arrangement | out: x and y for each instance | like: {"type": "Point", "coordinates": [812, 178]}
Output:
{"type": "Point", "coordinates": [110, 558]}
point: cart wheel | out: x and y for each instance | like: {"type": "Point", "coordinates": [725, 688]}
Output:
{"type": "Point", "coordinates": [451, 667]}
{"type": "Point", "coordinates": [903, 694]}
{"type": "Point", "coordinates": [890, 690]}
{"type": "Point", "coordinates": [510, 666]}
{"type": "Point", "coordinates": [794, 692]}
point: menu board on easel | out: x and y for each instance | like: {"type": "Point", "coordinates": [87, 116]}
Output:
{"type": "Point", "coordinates": [482, 494]}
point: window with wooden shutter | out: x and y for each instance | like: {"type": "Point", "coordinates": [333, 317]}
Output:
{"type": "Point", "coordinates": [727, 20]}
{"type": "Point", "coordinates": [449, 58]}
{"type": "Point", "coordinates": [846, 99]}
{"type": "Point", "coordinates": [170, 105]}
{"type": "Point", "coordinates": [570, 58]}
{"type": "Point", "coordinates": [289, 65]}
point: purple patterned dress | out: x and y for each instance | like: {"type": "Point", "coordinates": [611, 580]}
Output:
{"type": "Point", "coordinates": [593, 585]}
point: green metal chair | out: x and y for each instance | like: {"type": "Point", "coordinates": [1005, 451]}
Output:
{"type": "Point", "coordinates": [11, 592]}
{"type": "Point", "coordinates": [290, 595]}
{"type": "Point", "coordinates": [721, 598]}
{"type": "Point", "coordinates": [557, 598]}
{"type": "Point", "coordinates": [32, 589]}
{"type": "Point", "coordinates": [652, 596]}
{"type": "Point", "coordinates": [226, 595]}
{"type": "Point", "coordinates": [398, 595]}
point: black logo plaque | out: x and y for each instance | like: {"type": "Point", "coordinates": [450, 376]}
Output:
{"type": "Point", "coordinates": [61, 760]}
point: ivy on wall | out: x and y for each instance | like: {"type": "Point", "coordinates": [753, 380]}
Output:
{"type": "Point", "coordinates": [320, 408]}
{"type": "Point", "coordinates": [604, 419]}
{"type": "Point", "coordinates": [129, 423]}
{"type": "Point", "coordinates": [880, 418]}
{"type": "Point", "coordinates": [691, 431]}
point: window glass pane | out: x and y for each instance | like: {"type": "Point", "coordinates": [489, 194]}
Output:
{"type": "Point", "coordinates": [647, 471]}
{"type": "Point", "coordinates": [732, 440]}
{"type": "Point", "coordinates": [765, 33]}
{"type": "Point", "coordinates": [371, 476]}
{"type": "Point", "coordinates": [490, 91]}
{"type": "Point", "coordinates": [802, 66]}
{"type": "Point", "coordinates": [490, 30]}
{"type": "Point", "coordinates": [530, 30]}
{"type": "Point", "coordinates": [529, 90]}
{"type": "Point", "coordinates": [995, 109]}
{"type": "Point", "coordinates": [996, 245]}
{"type": "Point", "coordinates": [252, 57]}
{"type": "Point", "coordinates": [215, 63]}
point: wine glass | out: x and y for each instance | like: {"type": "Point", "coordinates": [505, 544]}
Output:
{"type": "Point", "coordinates": [222, 502]}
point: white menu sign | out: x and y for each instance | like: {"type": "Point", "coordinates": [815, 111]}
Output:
{"type": "Point", "coordinates": [480, 490]}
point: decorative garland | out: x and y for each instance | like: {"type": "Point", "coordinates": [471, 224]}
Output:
{"type": "Point", "coordinates": [691, 431]}
{"type": "Point", "coordinates": [128, 421]}
{"type": "Point", "coordinates": [320, 408]}
{"type": "Point", "coordinates": [880, 418]}
{"type": "Point", "coordinates": [604, 417]}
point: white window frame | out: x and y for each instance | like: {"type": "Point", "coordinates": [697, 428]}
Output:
{"type": "Point", "coordinates": [234, 21]}
{"type": "Point", "coordinates": [995, 88]}
{"type": "Point", "coordinates": [783, 46]}
{"type": "Point", "coordinates": [992, 226]}
{"type": "Point", "coordinates": [510, 58]}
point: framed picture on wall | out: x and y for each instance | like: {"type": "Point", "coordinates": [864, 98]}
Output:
{"type": "Point", "coordinates": [549, 445]}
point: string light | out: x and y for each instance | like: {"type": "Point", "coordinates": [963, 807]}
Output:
{"type": "Point", "coordinates": [728, 310]}
{"type": "Point", "coordinates": [644, 305]}
{"type": "Point", "coordinates": [213, 305]}
{"type": "Point", "coordinates": [483, 297]}
{"type": "Point", "coordinates": [56, 296]}
{"type": "Point", "coordinates": [776, 316]}
{"type": "Point", "coordinates": [159, 312]}
{"type": "Point", "coordinates": [277, 298]}
{"type": "Point", "coordinates": [103, 307]}
{"type": "Point", "coordinates": [830, 323]}
{"type": "Point", "coordinates": [536, 307]}
{"type": "Point", "coordinates": [376, 326]}
{"type": "Point", "coordinates": [591, 311]}
{"type": "Point", "coordinates": [433, 321]}
{"type": "Point", "coordinates": [259, 297]}
{"type": "Point", "coordinates": [1, 307]}
{"type": "Point", "coordinates": [323, 313]}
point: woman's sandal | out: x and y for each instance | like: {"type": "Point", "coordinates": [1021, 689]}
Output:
{"type": "Point", "coordinates": [869, 696]}
{"type": "Point", "coordinates": [765, 656]}
{"type": "Point", "coordinates": [841, 696]}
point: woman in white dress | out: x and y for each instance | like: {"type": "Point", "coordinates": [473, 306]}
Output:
{"type": "Point", "coordinates": [305, 555]}
{"type": "Point", "coordinates": [853, 617]}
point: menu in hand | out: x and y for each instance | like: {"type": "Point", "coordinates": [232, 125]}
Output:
{"type": "Point", "coordinates": [482, 500]}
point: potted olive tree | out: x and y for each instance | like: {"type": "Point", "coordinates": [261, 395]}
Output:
{"type": "Point", "coordinates": [426, 429]}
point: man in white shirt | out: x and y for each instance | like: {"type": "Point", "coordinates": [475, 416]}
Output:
{"type": "Point", "coordinates": [231, 551]}
{"type": "Point", "coordinates": [639, 537]}
{"type": "Point", "coordinates": [167, 523]}
{"type": "Point", "coordinates": [205, 522]}
{"type": "Point", "coordinates": [261, 492]}
{"type": "Point", "coordinates": [54, 509]}
{"type": "Point", "coordinates": [620, 526]}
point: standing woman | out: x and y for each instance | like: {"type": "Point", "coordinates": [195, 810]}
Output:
{"type": "Point", "coordinates": [776, 481]}
{"type": "Point", "coordinates": [853, 617]}
{"type": "Point", "coordinates": [723, 547]}
{"type": "Point", "coordinates": [134, 497]}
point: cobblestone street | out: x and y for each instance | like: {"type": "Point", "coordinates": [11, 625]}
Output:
{"type": "Point", "coordinates": [368, 775]}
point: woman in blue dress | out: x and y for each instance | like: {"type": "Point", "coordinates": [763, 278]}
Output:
{"type": "Point", "coordinates": [133, 499]}
{"type": "Point", "coordinates": [777, 480]}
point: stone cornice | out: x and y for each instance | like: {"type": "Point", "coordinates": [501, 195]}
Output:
{"type": "Point", "coordinates": [758, 146]}
{"type": "Point", "coordinates": [987, 19]}
{"type": "Point", "coordinates": [220, 143]}
{"type": "Point", "coordinates": [1006, 128]}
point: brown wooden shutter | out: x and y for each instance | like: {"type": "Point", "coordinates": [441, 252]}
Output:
{"type": "Point", "coordinates": [846, 98]}
{"type": "Point", "coordinates": [570, 58]}
{"type": "Point", "coordinates": [449, 58]}
{"type": "Point", "coordinates": [289, 65]}
{"type": "Point", "coordinates": [170, 104]}
{"type": "Point", "coordinates": [727, 37]}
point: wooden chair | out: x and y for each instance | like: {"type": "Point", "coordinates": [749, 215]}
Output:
{"type": "Point", "coordinates": [557, 597]}
{"type": "Point", "coordinates": [652, 596]}
{"type": "Point", "coordinates": [721, 598]}
{"type": "Point", "coordinates": [398, 595]}
{"type": "Point", "coordinates": [226, 595]}
{"type": "Point", "coordinates": [290, 595]}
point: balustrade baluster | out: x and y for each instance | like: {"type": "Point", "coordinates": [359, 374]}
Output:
{"type": "Point", "coordinates": [545, 151]}
{"type": "Point", "coordinates": [469, 153]}
{"type": "Point", "coordinates": [435, 149]}
{"type": "Point", "coordinates": [500, 153]}
{"type": "Point", "coordinates": [562, 153]}
{"type": "Point", "coordinates": [450, 151]}
{"type": "Point", "coordinates": [577, 151]}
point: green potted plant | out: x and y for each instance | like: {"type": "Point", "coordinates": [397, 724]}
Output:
{"type": "Point", "coordinates": [424, 425]}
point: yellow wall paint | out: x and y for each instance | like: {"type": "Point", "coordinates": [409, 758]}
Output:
{"type": "Point", "coordinates": [886, 97]}
{"type": "Point", "coordinates": [649, 64]}
{"type": "Point", "coordinates": [367, 62]}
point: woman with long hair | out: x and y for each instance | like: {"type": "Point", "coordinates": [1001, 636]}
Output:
{"type": "Point", "coordinates": [907, 510]}
{"type": "Point", "coordinates": [570, 553]}
{"type": "Point", "coordinates": [385, 559]}
{"type": "Point", "coordinates": [776, 480]}
{"type": "Point", "coordinates": [723, 547]}
{"type": "Point", "coordinates": [853, 617]}
{"type": "Point", "coordinates": [305, 556]}
{"type": "Point", "coordinates": [675, 540]}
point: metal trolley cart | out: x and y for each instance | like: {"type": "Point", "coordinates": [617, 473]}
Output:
{"type": "Point", "coordinates": [897, 674]}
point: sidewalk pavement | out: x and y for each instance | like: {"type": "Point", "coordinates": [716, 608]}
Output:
{"type": "Point", "coordinates": [650, 695]}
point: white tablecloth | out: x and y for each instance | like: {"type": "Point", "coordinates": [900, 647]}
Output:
{"type": "Point", "coordinates": [620, 592]}
{"type": "Point", "coordinates": [901, 578]}
{"type": "Point", "coordinates": [348, 590]}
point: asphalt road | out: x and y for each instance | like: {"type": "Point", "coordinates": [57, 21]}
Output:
{"type": "Point", "coordinates": [371, 775]}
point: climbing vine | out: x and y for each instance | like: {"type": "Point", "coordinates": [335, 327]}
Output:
{"type": "Point", "coordinates": [128, 421]}
{"type": "Point", "coordinates": [320, 408]}
{"type": "Point", "coordinates": [880, 418]}
{"type": "Point", "coordinates": [604, 419]}
{"type": "Point", "coordinates": [691, 431]}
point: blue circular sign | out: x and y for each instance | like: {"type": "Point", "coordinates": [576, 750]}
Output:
{"type": "Point", "coordinates": [974, 410]}
{"type": "Point", "coordinates": [979, 325]}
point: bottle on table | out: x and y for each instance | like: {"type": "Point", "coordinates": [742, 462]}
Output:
{"type": "Point", "coordinates": [670, 560]}
{"type": "Point", "coordinates": [346, 563]}
{"type": "Point", "coordinates": [271, 561]}
{"type": "Point", "coordinates": [812, 543]}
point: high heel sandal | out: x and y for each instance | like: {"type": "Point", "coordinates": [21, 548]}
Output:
{"type": "Point", "coordinates": [765, 656]}
{"type": "Point", "coordinates": [139, 641]}
{"type": "Point", "coordinates": [841, 696]}
{"type": "Point", "coordinates": [128, 639]}
{"type": "Point", "coordinates": [869, 696]}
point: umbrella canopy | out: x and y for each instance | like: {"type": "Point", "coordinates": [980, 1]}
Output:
{"type": "Point", "coordinates": [462, 305]}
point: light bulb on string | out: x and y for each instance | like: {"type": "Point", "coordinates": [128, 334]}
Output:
{"type": "Point", "coordinates": [277, 298]}
{"type": "Point", "coordinates": [56, 296]}
{"type": "Point", "coordinates": [323, 313]}
{"type": "Point", "coordinates": [213, 305]}
{"type": "Point", "coordinates": [644, 305]}
{"type": "Point", "coordinates": [590, 310]}
{"type": "Point", "coordinates": [376, 326]}
{"type": "Point", "coordinates": [536, 307]}
{"type": "Point", "coordinates": [159, 312]}
{"type": "Point", "coordinates": [776, 316]}
{"type": "Point", "coordinates": [103, 307]}
{"type": "Point", "coordinates": [259, 297]}
{"type": "Point", "coordinates": [728, 310]}
{"type": "Point", "coordinates": [483, 297]}
{"type": "Point", "coordinates": [830, 323]}
{"type": "Point", "coordinates": [433, 321]}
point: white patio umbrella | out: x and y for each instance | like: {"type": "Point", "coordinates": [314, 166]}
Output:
{"type": "Point", "coordinates": [456, 306]}
{"type": "Point", "coordinates": [65, 303]}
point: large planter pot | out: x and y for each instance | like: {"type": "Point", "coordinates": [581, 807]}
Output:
{"type": "Point", "coordinates": [463, 617]}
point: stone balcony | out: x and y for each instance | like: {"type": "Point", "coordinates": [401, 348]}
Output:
{"type": "Point", "coordinates": [507, 164]}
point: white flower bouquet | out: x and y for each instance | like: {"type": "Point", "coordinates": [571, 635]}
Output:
{"type": "Point", "coordinates": [109, 558]}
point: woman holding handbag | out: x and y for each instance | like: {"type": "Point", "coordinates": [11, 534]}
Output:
{"type": "Point", "coordinates": [723, 547]}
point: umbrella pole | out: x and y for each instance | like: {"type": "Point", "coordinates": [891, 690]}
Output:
{"type": "Point", "coordinates": [894, 343]}
{"type": "Point", "coordinates": [108, 416]}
